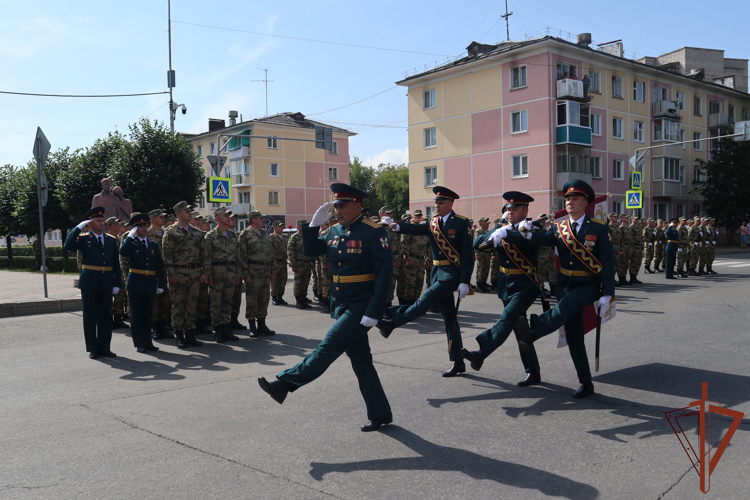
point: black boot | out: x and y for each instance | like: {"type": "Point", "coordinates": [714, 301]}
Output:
{"type": "Point", "coordinates": [307, 301]}
{"type": "Point", "coordinates": [648, 270]}
{"type": "Point", "coordinates": [235, 324]}
{"type": "Point", "coordinates": [327, 304]}
{"type": "Point", "coordinates": [118, 323]}
{"type": "Point", "coordinates": [493, 288]}
{"type": "Point", "coordinates": [623, 281]}
{"type": "Point", "coordinates": [385, 327]}
{"type": "Point", "coordinates": [456, 368]}
{"type": "Point", "coordinates": [219, 334]}
{"type": "Point", "coordinates": [301, 303]}
{"type": "Point", "coordinates": [634, 280]}
{"type": "Point", "coordinates": [276, 389]}
{"type": "Point", "coordinates": [263, 329]}
{"type": "Point", "coordinates": [165, 327]}
{"type": "Point", "coordinates": [180, 339]}
{"type": "Point", "coordinates": [228, 332]}
{"type": "Point", "coordinates": [157, 334]}
{"type": "Point", "coordinates": [692, 273]}
{"type": "Point", "coordinates": [191, 340]}
{"type": "Point", "coordinates": [200, 326]}
{"type": "Point", "coordinates": [275, 300]}
{"type": "Point", "coordinates": [253, 328]}
{"type": "Point", "coordinates": [711, 270]}
{"type": "Point", "coordinates": [281, 300]}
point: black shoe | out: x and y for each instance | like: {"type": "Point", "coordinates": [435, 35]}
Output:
{"type": "Point", "coordinates": [219, 335]}
{"type": "Point", "coordinates": [530, 379]}
{"type": "Point", "coordinates": [304, 298]}
{"type": "Point", "coordinates": [301, 303]}
{"type": "Point", "coordinates": [275, 300]}
{"type": "Point", "coordinates": [547, 294]}
{"type": "Point", "coordinates": [236, 325]}
{"type": "Point", "coordinates": [200, 327]}
{"type": "Point", "coordinates": [671, 278]}
{"type": "Point", "coordinates": [635, 281]}
{"type": "Point", "coordinates": [93, 355]}
{"type": "Point", "coordinates": [263, 329]}
{"type": "Point", "coordinates": [228, 333]}
{"type": "Point", "coordinates": [385, 327]}
{"type": "Point", "coordinates": [456, 368]}
{"type": "Point", "coordinates": [180, 339]}
{"type": "Point", "coordinates": [152, 347]}
{"type": "Point", "coordinates": [327, 305]}
{"type": "Point", "coordinates": [524, 333]}
{"type": "Point", "coordinates": [493, 288]}
{"type": "Point", "coordinates": [118, 323]}
{"type": "Point", "coordinates": [377, 423]}
{"type": "Point", "coordinates": [107, 354]}
{"type": "Point", "coordinates": [474, 358]}
{"type": "Point", "coordinates": [711, 271]}
{"type": "Point", "coordinates": [692, 273]}
{"type": "Point", "coordinates": [648, 270]}
{"type": "Point", "coordinates": [253, 329]}
{"type": "Point", "coordinates": [584, 390]}
{"type": "Point", "coordinates": [282, 301]}
{"type": "Point", "coordinates": [142, 350]}
{"type": "Point", "coordinates": [190, 339]}
{"type": "Point", "coordinates": [275, 389]}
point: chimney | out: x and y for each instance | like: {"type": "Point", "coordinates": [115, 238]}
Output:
{"type": "Point", "coordinates": [233, 118]}
{"type": "Point", "coordinates": [215, 124]}
{"type": "Point", "coordinates": [584, 39]}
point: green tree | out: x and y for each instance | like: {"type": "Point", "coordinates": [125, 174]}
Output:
{"type": "Point", "coordinates": [726, 184]}
{"type": "Point", "coordinates": [8, 222]}
{"type": "Point", "coordinates": [362, 177]}
{"type": "Point", "coordinates": [157, 168]}
{"type": "Point", "coordinates": [392, 187]}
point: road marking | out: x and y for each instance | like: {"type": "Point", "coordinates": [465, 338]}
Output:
{"type": "Point", "coordinates": [740, 265]}
{"type": "Point", "coordinates": [726, 263]}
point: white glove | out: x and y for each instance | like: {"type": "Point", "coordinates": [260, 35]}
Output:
{"type": "Point", "coordinates": [83, 224]}
{"type": "Point", "coordinates": [159, 291]}
{"type": "Point", "coordinates": [321, 215]}
{"type": "Point", "coordinates": [714, 243]}
{"type": "Point", "coordinates": [679, 249]}
{"type": "Point", "coordinates": [654, 233]}
{"type": "Point", "coordinates": [716, 231]}
{"type": "Point", "coordinates": [650, 244]}
{"type": "Point", "coordinates": [463, 290]}
{"type": "Point", "coordinates": [497, 235]}
{"type": "Point", "coordinates": [368, 322]}
{"type": "Point", "coordinates": [525, 226]}
{"type": "Point", "coordinates": [115, 291]}
{"type": "Point", "coordinates": [701, 233]}
{"type": "Point", "coordinates": [132, 232]}
{"type": "Point", "coordinates": [696, 243]}
{"type": "Point", "coordinates": [396, 228]}
{"type": "Point", "coordinates": [602, 305]}
{"type": "Point", "coordinates": [386, 220]}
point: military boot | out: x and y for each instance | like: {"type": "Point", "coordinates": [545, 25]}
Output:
{"type": "Point", "coordinates": [180, 339]}
{"type": "Point", "coordinates": [327, 305]}
{"type": "Point", "coordinates": [263, 329]}
{"type": "Point", "coordinates": [307, 301]}
{"type": "Point", "coordinates": [634, 280]}
{"type": "Point", "coordinates": [711, 270]}
{"type": "Point", "coordinates": [281, 300]}
{"type": "Point", "coordinates": [623, 281]}
{"type": "Point", "coordinates": [301, 304]}
{"type": "Point", "coordinates": [253, 329]}
{"type": "Point", "coordinates": [157, 333]}
{"type": "Point", "coordinates": [117, 322]}
{"type": "Point", "coordinates": [228, 333]}
{"type": "Point", "coordinates": [219, 334]}
{"type": "Point", "coordinates": [275, 300]}
{"type": "Point", "coordinates": [200, 326]}
{"type": "Point", "coordinates": [191, 340]}
{"type": "Point", "coordinates": [235, 324]}
{"type": "Point", "coordinates": [648, 270]}
{"type": "Point", "coordinates": [493, 288]}
{"type": "Point", "coordinates": [692, 272]}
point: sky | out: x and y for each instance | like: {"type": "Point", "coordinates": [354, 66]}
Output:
{"type": "Point", "coordinates": [106, 47]}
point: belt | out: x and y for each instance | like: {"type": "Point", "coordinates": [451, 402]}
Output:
{"type": "Point", "coordinates": [259, 263]}
{"type": "Point", "coordinates": [354, 278]}
{"type": "Point", "coordinates": [227, 263]}
{"type": "Point", "coordinates": [575, 274]}
{"type": "Point", "coordinates": [415, 256]}
{"type": "Point", "coordinates": [673, 241]}
{"type": "Point", "coordinates": [187, 266]}
{"type": "Point", "coordinates": [141, 271]}
{"type": "Point", "coordinates": [96, 268]}
{"type": "Point", "coordinates": [511, 272]}
{"type": "Point", "coordinates": [441, 263]}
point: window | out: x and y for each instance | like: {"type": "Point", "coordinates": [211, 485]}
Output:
{"type": "Point", "coordinates": [697, 106]}
{"type": "Point", "coordinates": [430, 176]}
{"type": "Point", "coordinates": [745, 114]}
{"type": "Point", "coordinates": [568, 163]}
{"type": "Point", "coordinates": [697, 209]}
{"type": "Point", "coordinates": [429, 212]}
{"type": "Point", "coordinates": [660, 211]}
{"type": "Point", "coordinates": [517, 77]}
{"type": "Point", "coordinates": [680, 210]}
{"type": "Point", "coordinates": [697, 146]}
{"type": "Point", "coordinates": [333, 173]}
{"type": "Point", "coordinates": [430, 137]}
{"type": "Point", "coordinates": [200, 151]}
{"type": "Point", "coordinates": [572, 113]}
{"type": "Point", "coordinates": [638, 131]}
{"type": "Point", "coordinates": [617, 128]}
{"type": "Point", "coordinates": [518, 121]}
{"type": "Point", "coordinates": [596, 124]}
{"type": "Point", "coordinates": [212, 148]}
{"type": "Point", "coordinates": [274, 170]}
{"type": "Point", "coordinates": [730, 112]}
{"type": "Point", "coordinates": [617, 207]}
{"type": "Point", "coordinates": [682, 175]}
{"type": "Point", "coordinates": [682, 138]}
{"type": "Point", "coordinates": [617, 86]}
{"type": "Point", "coordinates": [215, 205]}
{"type": "Point", "coordinates": [565, 70]}
{"type": "Point", "coordinates": [660, 94]}
{"type": "Point", "coordinates": [334, 148]}
{"type": "Point", "coordinates": [428, 97]}
{"type": "Point", "coordinates": [273, 142]}
{"type": "Point", "coordinates": [638, 89]}
{"type": "Point", "coordinates": [201, 203]}
{"type": "Point", "coordinates": [671, 169]}
{"type": "Point", "coordinates": [680, 101]}
{"type": "Point", "coordinates": [273, 197]}
{"type": "Point", "coordinates": [596, 79]}
{"type": "Point", "coordinates": [697, 174]}
{"type": "Point", "coordinates": [617, 170]}
{"type": "Point", "coordinates": [666, 130]}
{"type": "Point", "coordinates": [520, 166]}
{"type": "Point", "coordinates": [714, 107]}
{"type": "Point", "coordinates": [596, 167]}
{"type": "Point", "coordinates": [244, 196]}
{"type": "Point", "coordinates": [241, 225]}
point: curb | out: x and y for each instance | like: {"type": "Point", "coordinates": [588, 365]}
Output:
{"type": "Point", "coordinates": [9, 309]}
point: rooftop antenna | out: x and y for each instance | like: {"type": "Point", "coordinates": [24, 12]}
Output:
{"type": "Point", "coordinates": [506, 16]}
{"type": "Point", "coordinates": [266, 80]}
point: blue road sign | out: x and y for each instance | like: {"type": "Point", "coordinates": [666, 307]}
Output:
{"type": "Point", "coordinates": [219, 190]}
{"type": "Point", "coordinates": [633, 199]}
{"type": "Point", "coordinates": [635, 180]}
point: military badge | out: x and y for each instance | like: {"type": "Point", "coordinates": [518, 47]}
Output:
{"type": "Point", "coordinates": [383, 243]}
{"type": "Point", "coordinates": [451, 233]}
{"type": "Point", "coordinates": [353, 246]}
{"type": "Point", "coordinates": [590, 241]}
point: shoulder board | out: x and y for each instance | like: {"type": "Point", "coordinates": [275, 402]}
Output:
{"type": "Point", "coordinates": [459, 216]}
{"type": "Point", "coordinates": [84, 234]}
{"type": "Point", "coordinates": [371, 223]}
{"type": "Point", "coordinates": [598, 221]}
{"type": "Point", "coordinates": [110, 235]}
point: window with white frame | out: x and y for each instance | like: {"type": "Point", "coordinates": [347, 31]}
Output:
{"type": "Point", "coordinates": [638, 131]}
{"type": "Point", "coordinates": [697, 146]}
{"type": "Point", "coordinates": [244, 196]}
{"type": "Point", "coordinates": [660, 94]}
{"type": "Point", "coordinates": [572, 113]}
{"type": "Point", "coordinates": [519, 121]}
{"type": "Point", "coordinates": [596, 124]}
{"type": "Point", "coordinates": [274, 171]}
{"type": "Point", "coordinates": [617, 128]}
{"type": "Point", "coordinates": [201, 202]}
{"type": "Point", "coordinates": [697, 174]}
{"type": "Point", "coordinates": [430, 176]}
{"type": "Point", "coordinates": [660, 211]}
{"type": "Point", "coordinates": [595, 81]}
{"type": "Point", "coordinates": [617, 86]}
{"type": "Point", "coordinates": [333, 173]}
{"type": "Point", "coordinates": [617, 207]}
{"type": "Point", "coordinates": [429, 212]}
{"type": "Point", "coordinates": [215, 205]}
{"type": "Point", "coordinates": [596, 167]}
{"type": "Point", "coordinates": [617, 172]}
{"type": "Point", "coordinates": [272, 142]}
{"type": "Point", "coordinates": [273, 197]}
{"type": "Point", "coordinates": [242, 225]}
{"type": "Point", "coordinates": [334, 148]}
{"type": "Point", "coordinates": [517, 77]}
{"type": "Point", "coordinates": [680, 209]}
{"type": "Point", "coordinates": [428, 97]}
{"type": "Point", "coordinates": [566, 70]}
{"type": "Point", "coordinates": [671, 169]}
{"type": "Point", "coordinates": [680, 101]}
{"type": "Point", "coordinates": [520, 166]}
{"type": "Point", "coordinates": [638, 91]}
{"type": "Point", "coordinates": [682, 138]}
{"type": "Point", "coordinates": [212, 148]}
{"type": "Point", "coordinates": [697, 108]}
{"type": "Point", "coordinates": [666, 130]}
{"type": "Point", "coordinates": [430, 137]}
{"type": "Point", "coordinates": [200, 151]}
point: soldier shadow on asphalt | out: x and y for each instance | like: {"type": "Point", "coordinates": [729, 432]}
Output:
{"type": "Point", "coordinates": [658, 378]}
{"type": "Point", "coordinates": [435, 457]}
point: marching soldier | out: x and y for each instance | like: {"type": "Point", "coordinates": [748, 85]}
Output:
{"type": "Point", "coordinates": [622, 261]}
{"type": "Point", "coordinates": [713, 233]}
{"type": "Point", "coordinates": [586, 277]}
{"type": "Point", "coordinates": [483, 256]}
{"type": "Point", "coordinates": [280, 242]}
{"type": "Point", "coordinates": [359, 251]}
{"type": "Point", "coordinates": [224, 272]}
{"type": "Point", "coordinates": [99, 280]}
{"type": "Point", "coordinates": [659, 243]}
{"type": "Point", "coordinates": [184, 255]}
{"type": "Point", "coordinates": [453, 264]}
{"type": "Point", "coordinates": [145, 279]}
{"type": "Point", "coordinates": [649, 238]}
{"type": "Point", "coordinates": [695, 236]}
{"type": "Point", "coordinates": [301, 267]}
{"type": "Point", "coordinates": [416, 250]}
{"type": "Point", "coordinates": [683, 246]}
{"type": "Point", "coordinates": [258, 264]}
{"type": "Point", "coordinates": [671, 248]}
{"type": "Point", "coordinates": [201, 323]}
{"type": "Point", "coordinates": [119, 300]}
{"type": "Point", "coordinates": [636, 235]}
{"type": "Point", "coordinates": [237, 296]}
{"type": "Point", "coordinates": [162, 305]}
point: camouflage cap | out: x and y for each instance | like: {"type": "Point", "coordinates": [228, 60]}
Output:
{"type": "Point", "coordinates": [253, 214]}
{"type": "Point", "coordinates": [683, 218]}
{"type": "Point", "coordinates": [416, 212]}
{"type": "Point", "coordinates": [696, 218]}
{"type": "Point", "coordinates": [497, 221]}
{"type": "Point", "coordinates": [112, 220]}
{"type": "Point", "coordinates": [223, 211]}
{"type": "Point", "coordinates": [704, 219]}
{"type": "Point", "coordinates": [542, 216]}
{"type": "Point", "coordinates": [659, 220]}
{"type": "Point", "coordinates": [484, 219]}
{"type": "Point", "coordinates": [637, 217]}
{"type": "Point", "coordinates": [277, 223]}
{"type": "Point", "coordinates": [711, 219]}
{"type": "Point", "coordinates": [182, 206]}
{"type": "Point", "coordinates": [170, 218]}
{"type": "Point", "coordinates": [375, 218]}
{"type": "Point", "coordinates": [649, 220]}
{"type": "Point", "coordinates": [612, 214]}
{"type": "Point", "coordinates": [157, 213]}
{"type": "Point", "coordinates": [301, 221]}
{"type": "Point", "coordinates": [122, 223]}
{"type": "Point", "coordinates": [195, 214]}
{"type": "Point", "coordinates": [385, 210]}
{"type": "Point", "coordinates": [623, 216]}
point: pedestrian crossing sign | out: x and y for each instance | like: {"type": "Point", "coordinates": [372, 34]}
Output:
{"type": "Point", "coordinates": [219, 190]}
{"type": "Point", "coordinates": [635, 180]}
{"type": "Point", "coordinates": [633, 199]}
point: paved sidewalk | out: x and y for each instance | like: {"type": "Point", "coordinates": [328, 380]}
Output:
{"type": "Point", "coordinates": [23, 293]}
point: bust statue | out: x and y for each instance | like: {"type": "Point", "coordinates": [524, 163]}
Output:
{"type": "Point", "coordinates": [115, 205]}
{"type": "Point", "coordinates": [124, 205]}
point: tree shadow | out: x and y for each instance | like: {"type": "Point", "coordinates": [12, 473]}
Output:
{"type": "Point", "coordinates": [434, 457]}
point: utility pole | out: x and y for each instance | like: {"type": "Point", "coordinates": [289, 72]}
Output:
{"type": "Point", "coordinates": [506, 16]}
{"type": "Point", "coordinates": [266, 80]}
{"type": "Point", "coordinates": [170, 73]}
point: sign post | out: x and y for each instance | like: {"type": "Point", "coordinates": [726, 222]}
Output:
{"type": "Point", "coordinates": [41, 150]}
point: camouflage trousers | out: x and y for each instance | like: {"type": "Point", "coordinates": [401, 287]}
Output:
{"type": "Point", "coordinates": [394, 279]}
{"type": "Point", "coordinates": [302, 278]}
{"type": "Point", "coordinates": [257, 292]}
{"type": "Point", "coordinates": [120, 301]}
{"type": "Point", "coordinates": [693, 257]}
{"type": "Point", "coordinates": [648, 255]}
{"type": "Point", "coordinates": [184, 298]}
{"type": "Point", "coordinates": [702, 256]}
{"type": "Point", "coordinates": [411, 279]}
{"type": "Point", "coordinates": [494, 268]}
{"type": "Point", "coordinates": [162, 308]}
{"type": "Point", "coordinates": [546, 266]}
{"type": "Point", "coordinates": [635, 262]}
{"type": "Point", "coordinates": [222, 297]}
{"type": "Point", "coordinates": [682, 258]}
{"type": "Point", "coordinates": [483, 266]}
{"type": "Point", "coordinates": [315, 274]}
{"type": "Point", "coordinates": [237, 299]}
{"type": "Point", "coordinates": [659, 255]}
{"type": "Point", "coordinates": [282, 275]}
{"type": "Point", "coordinates": [326, 280]}
{"type": "Point", "coordinates": [202, 306]}
{"type": "Point", "coordinates": [710, 255]}
{"type": "Point", "coordinates": [621, 263]}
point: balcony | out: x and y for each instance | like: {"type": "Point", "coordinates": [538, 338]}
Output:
{"type": "Point", "coordinates": [241, 208]}
{"type": "Point", "coordinates": [241, 152]}
{"type": "Point", "coordinates": [720, 120]}
{"type": "Point", "coordinates": [668, 151]}
{"type": "Point", "coordinates": [665, 109]}
{"type": "Point", "coordinates": [666, 188]}
{"type": "Point", "coordinates": [573, 134]}
{"type": "Point", "coordinates": [573, 122]}
{"type": "Point", "coordinates": [571, 89]}
{"type": "Point", "coordinates": [563, 177]}
{"type": "Point", "coordinates": [241, 180]}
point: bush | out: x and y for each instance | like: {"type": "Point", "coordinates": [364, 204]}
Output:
{"type": "Point", "coordinates": [25, 251]}
{"type": "Point", "coordinates": [55, 265]}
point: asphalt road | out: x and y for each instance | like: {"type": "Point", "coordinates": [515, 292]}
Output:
{"type": "Point", "coordinates": [194, 423]}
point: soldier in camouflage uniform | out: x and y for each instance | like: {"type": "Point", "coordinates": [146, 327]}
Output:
{"type": "Point", "coordinates": [615, 237]}
{"type": "Point", "coordinates": [649, 238]}
{"type": "Point", "coordinates": [546, 267]}
{"type": "Point", "coordinates": [386, 218]}
{"type": "Point", "coordinates": [280, 242]}
{"type": "Point", "coordinates": [622, 260]}
{"type": "Point", "coordinates": [636, 238]}
{"type": "Point", "coordinates": [258, 265]}
{"type": "Point", "coordinates": [696, 240]}
{"type": "Point", "coordinates": [483, 256]}
{"type": "Point", "coordinates": [415, 250]}
{"type": "Point", "coordinates": [119, 300]}
{"type": "Point", "coordinates": [301, 267]}
{"type": "Point", "coordinates": [202, 318]}
{"type": "Point", "coordinates": [713, 234]}
{"type": "Point", "coordinates": [238, 290]}
{"type": "Point", "coordinates": [703, 248]}
{"type": "Point", "coordinates": [162, 304]}
{"type": "Point", "coordinates": [224, 273]}
{"type": "Point", "coordinates": [660, 242]}
{"type": "Point", "coordinates": [326, 274]}
{"type": "Point", "coordinates": [682, 248]}
{"type": "Point", "coordinates": [184, 255]}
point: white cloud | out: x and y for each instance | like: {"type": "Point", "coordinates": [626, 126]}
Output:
{"type": "Point", "coordinates": [394, 156]}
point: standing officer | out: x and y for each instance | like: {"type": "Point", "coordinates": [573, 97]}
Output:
{"type": "Point", "coordinates": [280, 242]}
{"type": "Point", "coordinates": [682, 248]}
{"type": "Point", "coordinates": [145, 279]}
{"type": "Point", "coordinates": [636, 258]}
{"type": "Point", "coordinates": [360, 254]}
{"type": "Point", "coordinates": [184, 254]}
{"type": "Point", "coordinates": [416, 250]}
{"type": "Point", "coordinates": [659, 242]}
{"type": "Point", "coordinates": [483, 255]}
{"type": "Point", "coordinates": [586, 276]}
{"type": "Point", "coordinates": [119, 300]}
{"type": "Point", "coordinates": [301, 265]}
{"type": "Point", "coordinates": [162, 305]}
{"type": "Point", "coordinates": [626, 249]}
{"type": "Point", "coordinates": [673, 241]}
{"type": "Point", "coordinates": [258, 264]}
{"type": "Point", "coordinates": [518, 286]}
{"type": "Point", "coordinates": [453, 262]}
{"type": "Point", "coordinates": [99, 280]}
{"type": "Point", "coordinates": [649, 237]}
{"type": "Point", "coordinates": [224, 273]}
{"type": "Point", "coordinates": [695, 236]}
{"type": "Point", "coordinates": [201, 323]}
{"type": "Point", "coordinates": [237, 297]}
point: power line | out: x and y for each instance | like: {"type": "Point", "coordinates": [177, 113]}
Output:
{"type": "Point", "coordinates": [352, 103]}
{"type": "Point", "coordinates": [76, 95]}
{"type": "Point", "coordinates": [311, 40]}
